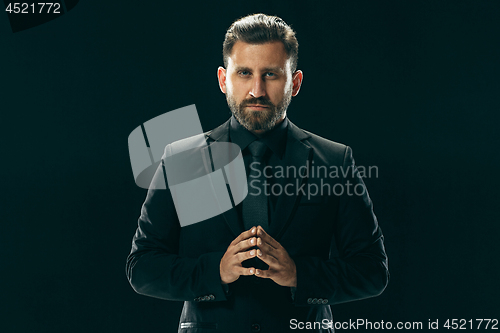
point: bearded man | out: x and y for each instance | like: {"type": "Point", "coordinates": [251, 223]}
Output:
{"type": "Point", "coordinates": [279, 259]}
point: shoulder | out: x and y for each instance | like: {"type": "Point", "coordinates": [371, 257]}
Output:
{"type": "Point", "coordinates": [219, 133]}
{"type": "Point", "coordinates": [322, 146]}
{"type": "Point", "coordinates": [325, 151]}
{"type": "Point", "coordinates": [331, 152]}
{"type": "Point", "coordinates": [321, 143]}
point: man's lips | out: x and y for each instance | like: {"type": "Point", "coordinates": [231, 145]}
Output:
{"type": "Point", "coordinates": [257, 106]}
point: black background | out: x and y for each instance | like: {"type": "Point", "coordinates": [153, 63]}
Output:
{"type": "Point", "coordinates": [412, 87]}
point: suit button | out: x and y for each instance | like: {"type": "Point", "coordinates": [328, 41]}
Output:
{"type": "Point", "coordinates": [205, 298]}
{"type": "Point", "coordinates": [211, 297]}
{"type": "Point", "coordinates": [197, 299]}
{"type": "Point", "coordinates": [315, 301]}
{"type": "Point", "coordinates": [309, 301]}
{"type": "Point", "coordinates": [320, 301]}
{"type": "Point", "coordinates": [255, 328]}
{"type": "Point", "coordinates": [325, 301]}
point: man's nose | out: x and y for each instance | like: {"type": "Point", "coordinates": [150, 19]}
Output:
{"type": "Point", "coordinates": [258, 88]}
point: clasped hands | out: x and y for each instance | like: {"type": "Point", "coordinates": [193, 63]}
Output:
{"type": "Point", "coordinates": [281, 270]}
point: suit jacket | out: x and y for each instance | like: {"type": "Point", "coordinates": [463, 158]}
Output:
{"type": "Point", "coordinates": [334, 239]}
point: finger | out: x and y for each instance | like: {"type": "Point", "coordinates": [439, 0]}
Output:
{"type": "Point", "coordinates": [269, 259]}
{"type": "Point", "coordinates": [261, 244]}
{"type": "Point", "coordinates": [245, 271]}
{"type": "Point", "coordinates": [244, 235]}
{"type": "Point", "coordinates": [267, 250]}
{"type": "Point", "coordinates": [242, 256]}
{"type": "Point", "coordinates": [268, 239]}
{"type": "Point", "coordinates": [245, 245]}
{"type": "Point", "coordinates": [264, 273]}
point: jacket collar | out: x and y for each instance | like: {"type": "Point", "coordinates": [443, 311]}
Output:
{"type": "Point", "coordinates": [220, 133]}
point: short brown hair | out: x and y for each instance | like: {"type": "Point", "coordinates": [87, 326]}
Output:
{"type": "Point", "coordinates": [260, 29]}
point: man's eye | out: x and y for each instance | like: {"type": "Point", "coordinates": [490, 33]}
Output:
{"type": "Point", "coordinates": [269, 74]}
{"type": "Point", "coordinates": [244, 73]}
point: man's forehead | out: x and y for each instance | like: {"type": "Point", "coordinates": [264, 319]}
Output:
{"type": "Point", "coordinates": [270, 55]}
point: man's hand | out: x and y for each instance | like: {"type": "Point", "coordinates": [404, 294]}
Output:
{"type": "Point", "coordinates": [230, 264]}
{"type": "Point", "coordinates": [282, 268]}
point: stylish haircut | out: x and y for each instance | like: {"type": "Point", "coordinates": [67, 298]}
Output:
{"type": "Point", "coordinates": [260, 29]}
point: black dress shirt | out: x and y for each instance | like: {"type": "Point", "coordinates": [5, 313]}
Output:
{"type": "Point", "coordinates": [275, 140]}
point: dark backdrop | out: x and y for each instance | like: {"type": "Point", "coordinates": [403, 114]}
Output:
{"type": "Point", "coordinates": [412, 87]}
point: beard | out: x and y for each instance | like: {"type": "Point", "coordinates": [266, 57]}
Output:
{"type": "Point", "coordinates": [259, 120]}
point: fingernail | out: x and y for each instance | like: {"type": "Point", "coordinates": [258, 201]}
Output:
{"type": "Point", "coordinates": [251, 270]}
{"type": "Point", "coordinates": [260, 253]}
{"type": "Point", "coordinates": [257, 273]}
{"type": "Point", "coordinates": [252, 252]}
{"type": "Point", "coordinates": [252, 241]}
{"type": "Point", "coordinates": [253, 231]}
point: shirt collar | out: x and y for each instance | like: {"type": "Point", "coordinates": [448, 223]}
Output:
{"type": "Point", "coordinates": [275, 139]}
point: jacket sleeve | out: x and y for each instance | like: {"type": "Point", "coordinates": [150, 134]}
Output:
{"type": "Point", "coordinates": [357, 267]}
{"type": "Point", "coordinates": [154, 266]}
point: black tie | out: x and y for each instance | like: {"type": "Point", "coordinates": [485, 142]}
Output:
{"type": "Point", "coordinates": [255, 204]}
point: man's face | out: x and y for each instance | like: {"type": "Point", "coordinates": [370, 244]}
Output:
{"type": "Point", "coordinates": [259, 84]}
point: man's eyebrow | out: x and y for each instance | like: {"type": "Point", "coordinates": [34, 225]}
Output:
{"type": "Point", "coordinates": [240, 68]}
{"type": "Point", "coordinates": [274, 69]}
{"type": "Point", "coordinates": [266, 69]}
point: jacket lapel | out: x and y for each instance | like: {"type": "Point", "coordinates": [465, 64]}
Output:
{"type": "Point", "coordinates": [298, 155]}
{"type": "Point", "coordinates": [221, 134]}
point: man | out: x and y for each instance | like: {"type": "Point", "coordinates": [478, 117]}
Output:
{"type": "Point", "coordinates": [275, 262]}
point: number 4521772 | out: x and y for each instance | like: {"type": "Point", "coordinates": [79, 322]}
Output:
{"type": "Point", "coordinates": [34, 8]}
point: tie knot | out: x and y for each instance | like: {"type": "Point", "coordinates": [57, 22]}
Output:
{"type": "Point", "coordinates": [257, 148]}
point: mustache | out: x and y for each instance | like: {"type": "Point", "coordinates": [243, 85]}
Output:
{"type": "Point", "coordinates": [260, 100]}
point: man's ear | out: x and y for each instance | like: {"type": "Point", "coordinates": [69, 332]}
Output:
{"type": "Point", "coordinates": [297, 82]}
{"type": "Point", "coordinates": [221, 75]}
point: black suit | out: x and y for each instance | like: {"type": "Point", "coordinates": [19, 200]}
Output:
{"type": "Point", "coordinates": [335, 241]}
